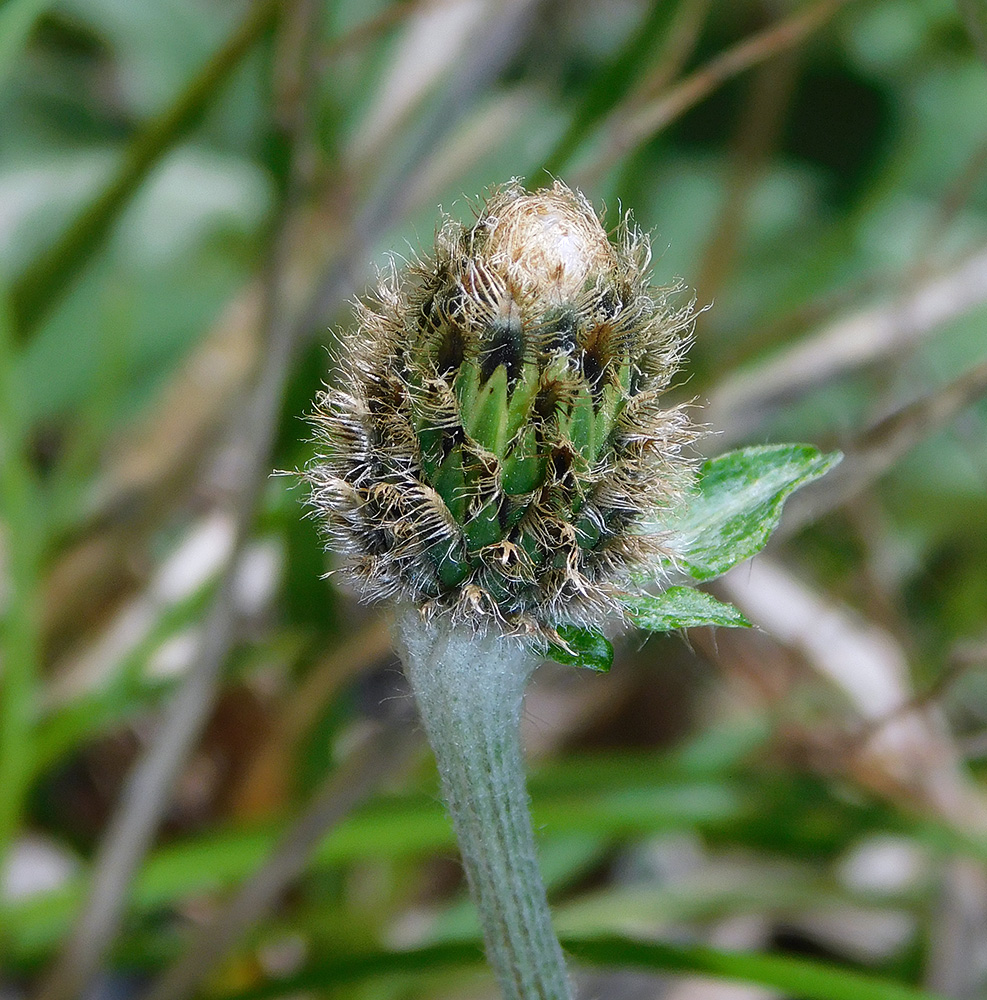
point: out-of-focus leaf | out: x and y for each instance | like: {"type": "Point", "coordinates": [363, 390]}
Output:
{"type": "Point", "coordinates": [738, 503]}
{"type": "Point", "coordinates": [795, 977]}
{"type": "Point", "coordinates": [589, 648]}
{"type": "Point", "coordinates": [682, 607]}
{"type": "Point", "coordinates": [802, 978]}
{"type": "Point", "coordinates": [47, 278]}
{"type": "Point", "coordinates": [17, 20]}
{"type": "Point", "coordinates": [611, 85]}
{"type": "Point", "coordinates": [389, 829]}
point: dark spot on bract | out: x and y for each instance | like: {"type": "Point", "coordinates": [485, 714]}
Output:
{"type": "Point", "coordinates": [452, 302]}
{"type": "Point", "coordinates": [452, 437]}
{"type": "Point", "coordinates": [610, 303]}
{"type": "Point", "coordinates": [560, 333]}
{"type": "Point", "coordinates": [592, 367]}
{"type": "Point", "coordinates": [595, 357]}
{"type": "Point", "coordinates": [503, 345]}
{"type": "Point", "coordinates": [451, 352]}
{"type": "Point", "coordinates": [384, 396]}
{"type": "Point", "coordinates": [504, 516]}
{"type": "Point", "coordinates": [547, 401]}
{"type": "Point", "coordinates": [561, 463]}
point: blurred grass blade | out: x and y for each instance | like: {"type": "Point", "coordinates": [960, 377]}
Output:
{"type": "Point", "coordinates": [799, 978]}
{"type": "Point", "coordinates": [387, 829]}
{"type": "Point", "coordinates": [17, 20]}
{"type": "Point", "coordinates": [21, 530]}
{"type": "Point", "coordinates": [795, 977]}
{"type": "Point", "coordinates": [613, 83]}
{"type": "Point", "coordinates": [44, 281]}
{"type": "Point", "coordinates": [626, 130]}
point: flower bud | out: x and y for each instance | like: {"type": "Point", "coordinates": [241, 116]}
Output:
{"type": "Point", "coordinates": [497, 449]}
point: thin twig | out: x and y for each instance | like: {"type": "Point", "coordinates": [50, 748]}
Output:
{"type": "Point", "coordinates": [757, 133]}
{"type": "Point", "coordinates": [627, 132]}
{"type": "Point", "coordinates": [146, 793]}
{"type": "Point", "coordinates": [367, 31]}
{"type": "Point", "coordinates": [954, 199]}
{"type": "Point", "coordinates": [879, 447]}
{"type": "Point", "coordinates": [743, 400]}
{"type": "Point", "coordinates": [683, 36]}
{"type": "Point", "coordinates": [378, 756]}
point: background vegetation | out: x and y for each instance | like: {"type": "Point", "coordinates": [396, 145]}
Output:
{"type": "Point", "coordinates": [209, 779]}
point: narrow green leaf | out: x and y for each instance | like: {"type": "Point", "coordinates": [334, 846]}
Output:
{"type": "Point", "coordinates": [484, 527]}
{"type": "Point", "coordinates": [389, 828]}
{"type": "Point", "coordinates": [801, 978]}
{"type": "Point", "coordinates": [738, 504]}
{"type": "Point", "coordinates": [466, 386]}
{"type": "Point", "coordinates": [682, 607]}
{"type": "Point", "coordinates": [22, 519]}
{"type": "Point", "coordinates": [523, 470]}
{"type": "Point", "coordinates": [582, 423]}
{"type": "Point", "coordinates": [589, 648]}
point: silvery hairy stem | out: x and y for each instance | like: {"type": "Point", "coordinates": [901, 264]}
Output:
{"type": "Point", "coordinates": [470, 689]}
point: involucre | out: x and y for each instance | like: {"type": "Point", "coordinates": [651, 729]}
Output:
{"type": "Point", "coordinates": [496, 447]}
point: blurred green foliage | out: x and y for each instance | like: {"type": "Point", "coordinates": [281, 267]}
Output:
{"type": "Point", "coordinates": [718, 796]}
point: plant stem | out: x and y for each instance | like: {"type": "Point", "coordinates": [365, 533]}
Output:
{"type": "Point", "coordinates": [470, 690]}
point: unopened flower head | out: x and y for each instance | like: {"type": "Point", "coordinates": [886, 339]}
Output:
{"type": "Point", "coordinates": [497, 448]}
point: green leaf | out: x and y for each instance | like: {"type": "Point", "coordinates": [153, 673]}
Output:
{"type": "Point", "coordinates": [589, 648]}
{"type": "Point", "coordinates": [21, 507]}
{"type": "Point", "coordinates": [582, 422]}
{"type": "Point", "coordinates": [614, 81]}
{"type": "Point", "coordinates": [484, 527]}
{"type": "Point", "coordinates": [805, 979]}
{"type": "Point", "coordinates": [521, 398]}
{"type": "Point", "coordinates": [682, 607]}
{"type": "Point", "coordinates": [738, 504]}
